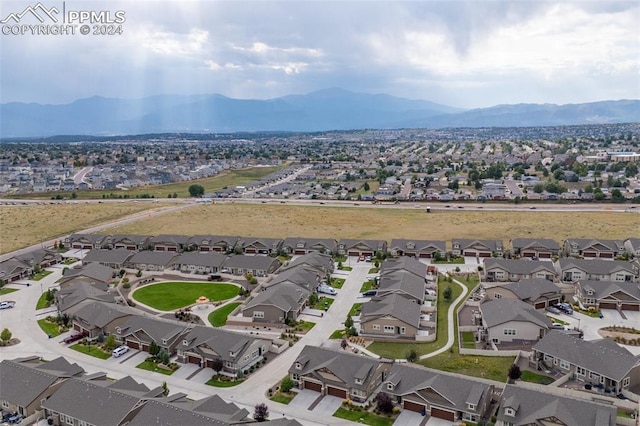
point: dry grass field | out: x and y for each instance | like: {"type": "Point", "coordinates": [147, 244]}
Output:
{"type": "Point", "coordinates": [22, 226]}
{"type": "Point", "coordinates": [376, 223]}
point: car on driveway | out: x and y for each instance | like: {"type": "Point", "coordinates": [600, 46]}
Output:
{"type": "Point", "coordinates": [369, 293]}
{"type": "Point", "coordinates": [7, 305]}
{"type": "Point", "coordinates": [553, 310]}
{"type": "Point", "coordinates": [327, 289]}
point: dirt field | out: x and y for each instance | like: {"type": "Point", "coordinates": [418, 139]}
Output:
{"type": "Point", "coordinates": [22, 226]}
{"type": "Point", "coordinates": [343, 222]}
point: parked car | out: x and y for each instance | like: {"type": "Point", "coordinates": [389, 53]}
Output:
{"type": "Point", "coordinates": [565, 308]}
{"type": "Point", "coordinates": [73, 338]}
{"type": "Point", "coordinates": [370, 293]}
{"type": "Point", "coordinates": [367, 259]}
{"type": "Point", "coordinates": [326, 289]}
{"type": "Point", "coordinates": [559, 326]}
{"type": "Point", "coordinates": [215, 277]}
{"type": "Point", "coordinates": [553, 310]}
{"type": "Point", "coordinates": [7, 305]}
{"type": "Point", "coordinates": [119, 351]}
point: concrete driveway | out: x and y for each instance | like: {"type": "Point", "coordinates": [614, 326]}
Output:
{"type": "Point", "coordinates": [304, 399]}
{"type": "Point", "coordinates": [408, 418]}
{"type": "Point", "coordinates": [328, 405]}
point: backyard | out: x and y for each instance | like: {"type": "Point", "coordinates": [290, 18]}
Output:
{"type": "Point", "coordinates": [218, 318]}
{"type": "Point", "coordinates": [168, 296]}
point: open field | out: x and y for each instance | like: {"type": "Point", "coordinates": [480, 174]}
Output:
{"type": "Point", "coordinates": [211, 184]}
{"type": "Point", "coordinates": [169, 296]}
{"type": "Point", "coordinates": [348, 222]}
{"type": "Point", "coordinates": [22, 226]}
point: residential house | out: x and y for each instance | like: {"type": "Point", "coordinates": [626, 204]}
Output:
{"type": "Point", "coordinates": [302, 275]}
{"type": "Point", "coordinates": [74, 297]}
{"type": "Point", "coordinates": [265, 246]}
{"type": "Point", "coordinates": [390, 317]}
{"type": "Point", "coordinates": [539, 248]}
{"type": "Point", "coordinates": [361, 247]}
{"type": "Point", "coordinates": [14, 269]}
{"type": "Point", "coordinates": [86, 241]}
{"type": "Point", "coordinates": [152, 260]}
{"type": "Point", "coordinates": [505, 270]}
{"type": "Point", "coordinates": [537, 292]}
{"type": "Point", "coordinates": [138, 332]}
{"type": "Point", "coordinates": [173, 243]}
{"type": "Point", "coordinates": [112, 258]}
{"type": "Point", "coordinates": [599, 362]}
{"type": "Point", "coordinates": [203, 345]}
{"type": "Point", "coordinates": [26, 382]}
{"type": "Point", "coordinates": [129, 242]}
{"type": "Point", "coordinates": [217, 243]}
{"type": "Point", "coordinates": [41, 258]}
{"type": "Point", "coordinates": [418, 248]}
{"type": "Point", "coordinates": [593, 248]}
{"type": "Point", "coordinates": [300, 246]}
{"type": "Point", "coordinates": [100, 318]}
{"type": "Point", "coordinates": [277, 304]}
{"type": "Point", "coordinates": [510, 320]}
{"type": "Point", "coordinates": [200, 262]}
{"type": "Point", "coordinates": [408, 264]}
{"type": "Point", "coordinates": [572, 270]}
{"type": "Point", "coordinates": [524, 406]}
{"type": "Point", "coordinates": [322, 263]}
{"type": "Point", "coordinates": [403, 283]}
{"type": "Point", "coordinates": [93, 273]}
{"type": "Point", "coordinates": [632, 245]}
{"type": "Point", "coordinates": [258, 266]}
{"type": "Point", "coordinates": [623, 296]}
{"type": "Point", "coordinates": [339, 373]}
{"type": "Point", "coordinates": [439, 394]}
{"type": "Point", "coordinates": [477, 248]}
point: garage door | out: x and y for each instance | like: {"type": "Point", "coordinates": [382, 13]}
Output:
{"type": "Point", "coordinates": [413, 406]}
{"type": "Point", "coordinates": [313, 386]}
{"type": "Point", "coordinates": [130, 247]}
{"type": "Point", "coordinates": [172, 249]}
{"type": "Point", "coordinates": [606, 255]}
{"type": "Point", "coordinates": [76, 327]}
{"type": "Point", "coordinates": [204, 248]}
{"type": "Point", "coordinates": [442, 414]}
{"type": "Point", "coordinates": [528, 254]}
{"type": "Point", "coordinates": [554, 302]}
{"type": "Point", "coordinates": [484, 254]}
{"type": "Point", "coordinates": [250, 250]}
{"type": "Point", "coordinates": [425, 255]}
{"type": "Point", "coordinates": [133, 345]}
{"type": "Point", "coordinates": [607, 305]}
{"type": "Point", "coordinates": [87, 247]}
{"type": "Point", "coordinates": [340, 393]}
{"type": "Point", "coordinates": [469, 253]}
{"type": "Point", "coordinates": [159, 248]}
{"type": "Point", "coordinates": [630, 307]}
{"type": "Point", "coordinates": [299, 252]}
{"type": "Point", "coordinates": [544, 255]}
{"type": "Point", "coordinates": [191, 359]}
{"type": "Point", "coordinates": [145, 347]}
{"type": "Point", "coordinates": [353, 253]}
{"type": "Point", "coordinates": [540, 305]}
{"type": "Point", "coordinates": [589, 254]}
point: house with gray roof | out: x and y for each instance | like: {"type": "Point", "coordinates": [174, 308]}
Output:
{"type": "Point", "coordinates": [97, 402]}
{"type": "Point", "coordinates": [391, 317]}
{"type": "Point", "coordinates": [264, 246]}
{"type": "Point", "coordinates": [321, 262]}
{"type": "Point", "coordinates": [152, 260]}
{"type": "Point", "coordinates": [258, 266]}
{"type": "Point", "coordinates": [166, 242]}
{"type": "Point", "coordinates": [349, 247]}
{"type": "Point", "coordinates": [505, 270]}
{"type": "Point", "coordinates": [408, 264]}
{"type": "Point", "coordinates": [623, 296]}
{"type": "Point", "coordinates": [129, 242]}
{"type": "Point", "coordinates": [115, 259]}
{"type": "Point", "coordinates": [202, 345]}
{"type": "Point", "coordinates": [301, 246]}
{"type": "Point", "coordinates": [426, 249]}
{"type": "Point", "coordinates": [14, 269]}
{"type": "Point", "coordinates": [509, 320]}
{"type": "Point", "coordinates": [477, 248]}
{"type": "Point", "coordinates": [200, 262]}
{"type": "Point", "coordinates": [71, 299]}
{"type": "Point", "coordinates": [599, 362]}
{"type": "Point", "coordinates": [99, 318]}
{"type": "Point", "coordinates": [439, 394]}
{"type": "Point", "coordinates": [91, 274]}
{"type": "Point", "coordinates": [537, 292]}
{"type": "Point", "coordinates": [539, 248]}
{"type": "Point", "coordinates": [632, 245]}
{"type": "Point", "coordinates": [277, 304]}
{"type": "Point", "coordinates": [338, 373]}
{"type": "Point", "coordinates": [24, 385]}
{"type": "Point", "coordinates": [86, 241]}
{"type": "Point", "coordinates": [137, 332]}
{"type": "Point", "coordinates": [591, 248]}
{"type": "Point", "coordinates": [217, 243]}
{"type": "Point", "coordinates": [40, 258]}
{"type": "Point", "coordinates": [301, 275]}
{"type": "Point", "coordinates": [523, 406]}
{"type": "Point", "coordinates": [404, 283]}
{"type": "Point", "coordinates": [572, 270]}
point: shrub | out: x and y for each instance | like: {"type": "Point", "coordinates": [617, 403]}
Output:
{"type": "Point", "coordinates": [287, 384]}
{"type": "Point", "coordinates": [514, 372]}
{"type": "Point", "coordinates": [384, 402]}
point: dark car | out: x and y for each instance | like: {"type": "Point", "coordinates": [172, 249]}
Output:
{"type": "Point", "coordinates": [370, 293]}
{"type": "Point", "coordinates": [215, 277]}
{"type": "Point", "coordinates": [73, 338]}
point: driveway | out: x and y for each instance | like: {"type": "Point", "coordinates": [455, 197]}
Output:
{"type": "Point", "coordinates": [408, 418]}
{"type": "Point", "coordinates": [328, 405]}
{"type": "Point", "coordinates": [304, 399]}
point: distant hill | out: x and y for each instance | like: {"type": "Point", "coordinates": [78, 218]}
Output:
{"type": "Point", "coordinates": [330, 109]}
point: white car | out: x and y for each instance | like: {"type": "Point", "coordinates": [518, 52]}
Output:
{"type": "Point", "coordinates": [7, 305]}
{"type": "Point", "coordinates": [326, 289]}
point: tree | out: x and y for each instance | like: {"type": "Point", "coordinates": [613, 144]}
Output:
{"type": "Point", "coordinates": [261, 412]}
{"type": "Point", "coordinates": [412, 355]}
{"type": "Point", "coordinates": [5, 336]}
{"type": "Point", "coordinates": [110, 344]}
{"type": "Point", "coordinates": [154, 349]}
{"type": "Point", "coordinates": [384, 402]}
{"type": "Point", "coordinates": [366, 186]}
{"type": "Point", "coordinates": [447, 294]}
{"type": "Point", "coordinates": [514, 372]}
{"type": "Point", "coordinates": [165, 389]}
{"type": "Point", "coordinates": [175, 195]}
{"type": "Point", "coordinates": [348, 323]}
{"type": "Point", "coordinates": [217, 365]}
{"type": "Point", "coordinates": [287, 384]}
{"type": "Point", "coordinates": [196, 190]}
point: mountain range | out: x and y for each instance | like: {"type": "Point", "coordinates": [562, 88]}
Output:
{"type": "Point", "coordinates": [330, 109]}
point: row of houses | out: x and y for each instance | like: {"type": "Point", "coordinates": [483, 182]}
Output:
{"type": "Point", "coordinates": [23, 265]}
{"type": "Point", "coordinates": [67, 395]}
{"type": "Point", "coordinates": [519, 247]}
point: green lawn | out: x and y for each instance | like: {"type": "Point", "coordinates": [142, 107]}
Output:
{"type": "Point", "coordinates": [7, 290]}
{"type": "Point", "coordinates": [363, 417]}
{"type": "Point", "coordinates": [224, 384]}
{"type": "Point", "coordinates": [305, 326]}
{"type": "Point", "coordinates": [559, 321]}
{"type": "Point", "coordinates": [151, 366]}
{"type": "Point", "coordinates": [468, 340]}
{"type": "Point", "coordinates": [529, 376]}
{"type": "Point", "coordinates": [373, 270]}
{"type": "Point", "coordinates": [367, 285]}
{"type": "Point", "coordinates": [283, 398]}
{"type": "Point", "coordinates": [169, 296]}
{"type": "Point", "coordinates": [346, 268]}
{"type": "Point", "coordinates": [325, 301]}
{"type": "Point", "coordinates": [337, 282]}
{"type": "Point", "coordinates": [40, 275]}
{"type": "Point", "coordinates": [49, 328]}
{"type": "Point", "coordinates": [218, 318]}
{"type": "Point", "coordinates": [42, 301]}
{"type": "Point", "coordinates": [70, 261]}
{"type": "Point", "coordinates": [592, 314]}
{"type": "Point", "coordinates": [338, 334]}
{"type": "Point", "coordinates": [93, 351]}
{"type": "Point", "coordinates": [355, 309]}
{"type": "Point", "coordinates": [487, 367]}
{"type": "Point", "coordinates": [454, 261]}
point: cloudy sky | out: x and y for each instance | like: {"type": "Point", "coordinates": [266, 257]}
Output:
{"type": "Point", "coordinates": [463, 54]}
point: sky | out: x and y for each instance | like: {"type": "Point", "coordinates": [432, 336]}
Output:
{"type": "Point", "coordinates": [458, 53]}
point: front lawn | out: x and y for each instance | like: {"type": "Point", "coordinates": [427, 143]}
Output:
{"type": "Point", "coordinates": [529, 376]}
{"type": "Point", "coordinates": [355, 309]}
{"type": "Point", "coordinates": [40, 275]}
{"type": "Point", "coordinates": [559, 321]}
{"type": "Point", "coordinates": [169, 296]}
{"type": "Point", "coordinates": [91, 350]}
{"type": "Point", "coordinates": [338, 334]}
{"type": "Point", "coordinates": [367, 285]}
{"type": "Point", "coordinates": [373, 271]}
{"type": "Point", "coordinates": [49, 328]}
{"type": "Point", "coordinates": [592, 314]}
{"type": "Point", "coordinates": [452, 261]}
{"type": "Point", "coordinates": [218, 318]}
{"type": "Point", "coordinates": [363, 417]}
{"type": "Point", "coordinates": [345, 268]}
{"type": "Point", "coordinates": [151, 366]}
{"type": "Point", "coordinates": [304, 326]}
{"type": "Point", "coordinates": [322, 303]}
{"type": "Point", "coordinates": [337, 282]}
{"type": "Point", "coordinates": [487, 367]}
{"type": "Point", "coordinates": [223, 382]}
{"type": "Point", "coordinates": [43, 301]}
{"type": "Point", "coordinates": [283, 398]}
{"type": "Point", "coordinates": [7, 290]}
{"type": "Point", "coordinates": [70, 261]}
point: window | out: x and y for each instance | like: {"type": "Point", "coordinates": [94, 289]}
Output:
{"type": "Point", "coordinates": [390, 386]}
{"type": "Point", "coordinates": [358, 392]}
{"type": "Point", "coordinates": [625, 382]}
{"type": "Point", "coordinates": [509, 411]}
{"type": "Point", "coordinates": [185, 342]}
{"type": "Point", "coordinates": [580, 371]}
{"type": "Point", "coordinates": [590, 301]}
{"type": "Point", "coordinates": [5, 403]}
{"type": "Point", "coordinates": [403, 330]}
{"type": "Point", "coordinates": [376, 326]}
{"type": "Point", "coordinates": [471, 406]}
{"type": "Point", "coordinates": [593, 375]}
{"type": "Point", "coordinates": [509, 332]}
{"type": "Point", "coordinates": [295, 377]}
{"type": "Point", "coordinates": [67, 419]}
{"type": "Point", "coordinates": [619, 277]}
{"type": "Point", "coordinates": [298, 366]}
{"type": "Point", "coordinates": [590, 292]}
{"type": "Point", "coordinates": [258, 314]}
{"type": "Point", "coordinates": [358, 381]}
{"type": "Point", "coordinates": [564, 364]}
{"type": "Point", "coordinates": [497, 296]}
{"type": "Point", "coordinates": [389, 329]}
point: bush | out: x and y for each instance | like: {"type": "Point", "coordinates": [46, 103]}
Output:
{"type": "Point", "coordinates": [384, 403]}
{"type": "Point", "coordinates": [287, 384]}
{"type": "Point", "coordinates": [514, 372]}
